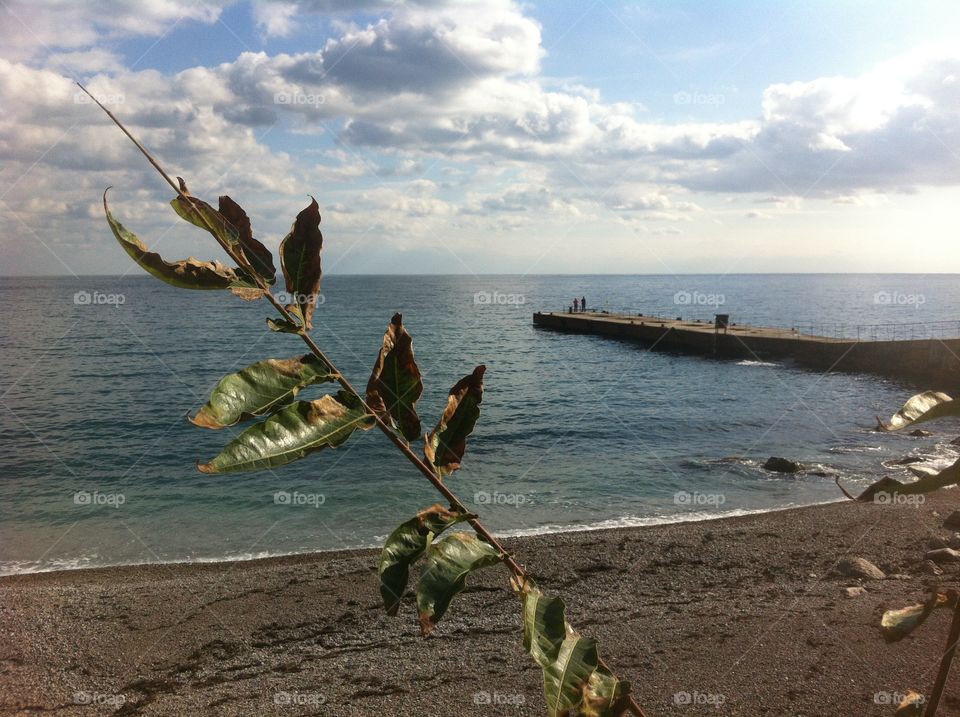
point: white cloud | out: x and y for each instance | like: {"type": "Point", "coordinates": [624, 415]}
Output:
{"type": "Point", "coordinates": [428, 82]}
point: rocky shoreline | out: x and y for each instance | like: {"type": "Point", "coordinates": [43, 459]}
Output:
{"type": "Point", "coordinates": [769, 614]}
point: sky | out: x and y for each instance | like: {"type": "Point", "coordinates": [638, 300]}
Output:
{"type": "Point", "coordinates": [491, 136]}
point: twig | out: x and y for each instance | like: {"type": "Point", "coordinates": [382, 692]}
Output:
{"type": "Point", "coordinates": [836, 480]}
{"type": "Point", "coordinates": [945, 663]}
{"type": "Point", "coordinates": [401, 444]}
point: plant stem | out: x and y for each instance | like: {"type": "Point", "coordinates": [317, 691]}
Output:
{"type": "Point", "coordinates": [945, 663]}
{"type": "Point", "coordinates": [428, 472]}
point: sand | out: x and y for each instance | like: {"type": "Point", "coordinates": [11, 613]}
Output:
{"type": "Point", "coordinates": [740, 616]}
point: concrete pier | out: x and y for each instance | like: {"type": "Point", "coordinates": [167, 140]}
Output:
{"type": "Point", "coordinates": [924, 363]}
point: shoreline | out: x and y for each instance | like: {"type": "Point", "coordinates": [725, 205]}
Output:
{"type": "Point", "coordinates": [747, 611]}
{"type": "Point", "coordinates": [629, 522]}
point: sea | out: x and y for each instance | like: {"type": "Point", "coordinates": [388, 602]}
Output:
{"type": "Point", "coordinates": [98, 374]}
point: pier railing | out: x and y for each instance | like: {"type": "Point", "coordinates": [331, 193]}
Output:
{"type": "Point", "coordinates": [910, 331]}
{"type": "Point", "coordinates": [914, 331]}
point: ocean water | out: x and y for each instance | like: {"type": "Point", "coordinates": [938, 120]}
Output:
{"type": "Point", "coordinates": [97, 458]}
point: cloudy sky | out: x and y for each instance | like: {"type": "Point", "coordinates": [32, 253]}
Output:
{"type": "Point", "coordinates": [477, 136]}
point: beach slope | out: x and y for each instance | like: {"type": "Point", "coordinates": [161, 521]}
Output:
{"type": "Point", "coordinates": [746, 614]}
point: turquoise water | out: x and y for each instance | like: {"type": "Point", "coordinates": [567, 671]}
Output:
{"type": "Point", "coordinates": [97, 459]}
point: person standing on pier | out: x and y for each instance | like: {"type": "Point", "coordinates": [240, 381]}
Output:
{"type": "Point", "coordinates": [576, 305]}
{"type": "Point", "coordinates": [583, 303]}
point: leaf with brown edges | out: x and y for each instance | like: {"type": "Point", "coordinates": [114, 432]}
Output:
{"type": "Point", "coordinates": [445, 445]}
{"type": "Point", "coordinates": [185, 274]}
{"type": "Point", "coordinates": [395, 384]}
{"type": "Point", "coordinates": [405, 546]}
{"type": "Point", "coordinates": [259, 389]}
{"type": "Point", "coordinates": [897, 624]}
{"type": "Point", "coordinates": [255, 252]}
{"type": "Point", "coordinates": [300, 260]}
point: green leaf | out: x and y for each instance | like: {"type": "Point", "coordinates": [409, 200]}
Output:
{"type": "Point", "coordinates": [202, 215]}
{"type": "Point", "coordinates": [259, 389]}
{"type": "Point", "coordinates": [395, 385]}
{"type": "Point", "coordinates": [565, 680]}
{"type": "Point", "coordinates": [926, 406]}
{"type": "Point", "coordinates": [185, 274]}
{"type": "Point", "coordinates": [572, 675]}
{"type": "Point", "coordinates": [445, 445]}
{"type": "Point", "coordinates": [897, 624]}
{"type": "Point", "coordinates": [405, 546]}
{"type": "Point", "coordinates": [300, 260]}
{"type": "Point", "coordinates": [283, 326]}
{"type": "Point", "coordinates": [301, 428]}
{"type": "Point", "coordinates": [544, 625]}
{"type": "Point", "coordinates": [445, 571]}
{"type": "Point", "coordinates": [911, 705]}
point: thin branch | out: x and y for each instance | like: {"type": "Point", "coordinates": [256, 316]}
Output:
{"type": "Point", "coordinates": [945, 663]}
{"type": "Point", "coordinates": [428, 472]}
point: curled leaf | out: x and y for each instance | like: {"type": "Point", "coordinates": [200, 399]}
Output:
{"type": "Point", "coordinates": [292, 433]}
{"type": "Point", "coordinates": [259, 389]}
{"type": "Point", "coordinates": [445, 571]}
{"type": "Point", "coordinates": [926, 406]}
{"type": "Point", "coordinates": [445, 445]}
{"type": "Point", "coordinates": [300, 260]}
{"type": "Point", "coordinates": [897, 624]}
{"type": "Point", "coordinates": [283, 326]}
{"type": "Point", "coordinates": [911, 705]}
{"type": "Point", "coordinates": [405, 546]}
{"type": "Point", "coordinates": [185, 274]}
{"type": "Point", "coordinates": [395, 385]}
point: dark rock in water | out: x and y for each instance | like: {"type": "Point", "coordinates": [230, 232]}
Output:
{"type": "Point", "coordinates": [920, 433]}
{"type": "Point", "coordinates": [952, 521]}
{"type": "Point", "coordinates": [860, 568]}
{"type": "Point", "coordinates": [943, 555]}
{"type": "Point", "coordinates": [955, 442]}
{"type": "Point", "coordinates": [782, 465]}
